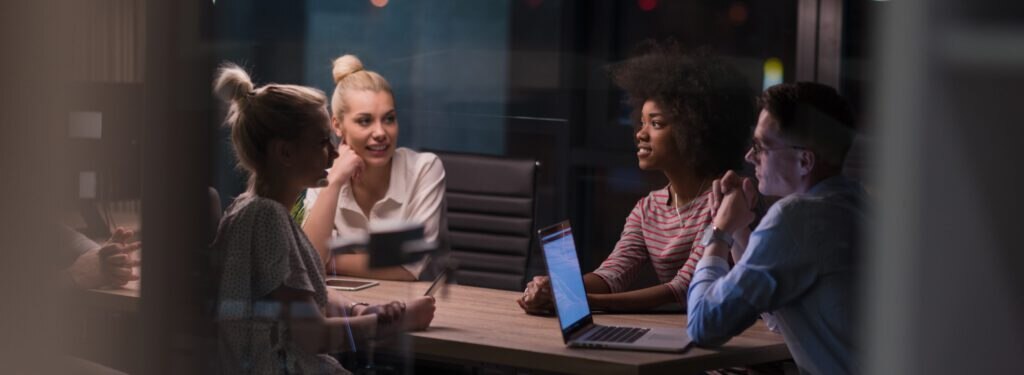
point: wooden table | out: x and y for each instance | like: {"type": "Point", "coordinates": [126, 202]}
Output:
{"type": "Point", "coordinates": [487, 326]}
{"type": "Point", "coordinates": [107, 327]}
{"type": "Point", "coordinates": [122, 300]}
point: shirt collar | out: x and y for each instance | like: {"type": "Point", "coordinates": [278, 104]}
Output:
{"type": "Point", "coordinates": [667, 200]}
{"type": "Point", "coordinates": [396, 186]}
{"type": "Point", "coordinates": [347, 200]}
{"type": "Point", "coordinates": [834, 183]}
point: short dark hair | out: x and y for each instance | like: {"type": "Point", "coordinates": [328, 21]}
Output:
{"type": "Point", "coordinates": [814, 114]}
{"type": "Point", "coordinates": [708, 97]}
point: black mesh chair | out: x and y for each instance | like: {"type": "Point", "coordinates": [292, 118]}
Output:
{"type": "Point", "coordinates": [491, 207]}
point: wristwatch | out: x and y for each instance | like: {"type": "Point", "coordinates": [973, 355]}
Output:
{"type": "Point", "coordinates": [712, 234]}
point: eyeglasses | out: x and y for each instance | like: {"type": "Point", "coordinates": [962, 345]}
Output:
{"type": "Point", "coordinates": [759, 150]}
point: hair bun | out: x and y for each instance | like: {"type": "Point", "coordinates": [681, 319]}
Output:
{"type": "Point", "coordinates": [232, 83]}
{"type": "Point", "coordinates": [345, 65]}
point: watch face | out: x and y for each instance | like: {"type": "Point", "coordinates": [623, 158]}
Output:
{"type": "Point", "coordinates": [709, 235]}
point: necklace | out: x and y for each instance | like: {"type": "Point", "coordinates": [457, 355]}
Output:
{"type": "Point", "coordinates": [675, 202]}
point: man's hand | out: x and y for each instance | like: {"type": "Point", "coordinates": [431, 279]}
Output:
{"type": "Point", "coordinates": [537, 298]}
{"type": "Point", "coordinates": [736, 208]}
{"type": "Point", "coordinates": [108, 265]}
{"type": "Point", "coordinates": [721, 187]}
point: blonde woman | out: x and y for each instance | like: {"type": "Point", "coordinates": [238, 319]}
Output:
{"type": "Point", "coordinates": [372, 179]}
{"type": "Point", "coordinates": [275, 314]}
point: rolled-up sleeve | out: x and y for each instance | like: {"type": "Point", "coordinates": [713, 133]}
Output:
{"type": "Point", "coordinates": [716, 309]}
{"type": "Point", "coordinates": [723, 303]}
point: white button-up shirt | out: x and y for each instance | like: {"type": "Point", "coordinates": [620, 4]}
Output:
{"type": "Point", "coordinates": [415, 193]}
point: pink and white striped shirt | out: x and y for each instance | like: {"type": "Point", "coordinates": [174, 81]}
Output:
{"type": "Point", "coordinates": [657, 232]}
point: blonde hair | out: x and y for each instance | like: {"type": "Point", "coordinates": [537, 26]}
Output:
{"type": "Point", "coordinates": [259, 115]}
{"type": "Point", "coordinates": [349, 75]}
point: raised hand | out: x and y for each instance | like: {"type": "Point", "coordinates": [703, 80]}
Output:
{"type": "Point", "coordinates": [736, 208]}
{"type": "Point", "coordinates": [729, 183]}
{"type": "Point", "coordinates": [347, 165]}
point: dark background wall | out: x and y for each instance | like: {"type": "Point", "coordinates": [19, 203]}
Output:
{"type": "Point", "coordinates": [525, 78]}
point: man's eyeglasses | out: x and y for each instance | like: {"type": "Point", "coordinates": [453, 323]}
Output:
{"type": "Point", "coordinates": [759, 150]}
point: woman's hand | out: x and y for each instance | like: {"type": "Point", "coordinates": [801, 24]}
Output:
{"type": "Point", "coordinates": [419, 313]}
{"type": "Point", "coordinates": [386, 313]}
{"type": "Point", "coordinates": [108, 265]}
{"type": "Point", "coordinates": [537, 298]}
{"type": "Point", "coordinates": [347, 165]}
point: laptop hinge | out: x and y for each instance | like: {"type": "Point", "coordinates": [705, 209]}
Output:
{"type": "Point", "coordinates": [581, 332]}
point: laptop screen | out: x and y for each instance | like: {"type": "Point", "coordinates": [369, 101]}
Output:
{"type": "Point", "coordinates": [566, 278]}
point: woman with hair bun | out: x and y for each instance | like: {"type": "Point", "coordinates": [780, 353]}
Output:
{"type": "Point", "coordinates": [373, 179]}
{"type": "Point", "coordinates": [274, 313]}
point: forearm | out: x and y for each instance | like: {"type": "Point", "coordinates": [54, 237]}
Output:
{"type": "Point", "coordinates": [635, 300]}
{"type": "Point", "coordinates": [66, 281]}
{"type": "Point", "coordinates": [332, 335]}
{"type": "Point", "coordinates": [338, 305]}
{"type": "Point", "coordinates": [311, 330]}
{"type": "Point", "coordinates": [595, 284]}
{"type": "Point", "coordinates": [740, 240]}
{"type": "Point", "coordinates": [320, 220]}
{"type": "Point", "coordinates": [718, 249]}
{"type": "Point", "coordinates": [716, 309]}
{"type": "Point", "coordinates": [358, 265]}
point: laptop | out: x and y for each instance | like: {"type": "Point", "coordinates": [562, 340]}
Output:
{"type": "Point", "coordinates": [574, 317]}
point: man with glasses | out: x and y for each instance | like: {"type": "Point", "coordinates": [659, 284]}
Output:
{"type": "Point", "coordinates": [800, 262]}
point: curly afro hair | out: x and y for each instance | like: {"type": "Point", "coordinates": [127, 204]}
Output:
{"type": "Point", "coordinates": [708, 101]}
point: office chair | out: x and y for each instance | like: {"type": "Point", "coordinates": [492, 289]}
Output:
{"type": "Point", "coordinates": [491, 205]}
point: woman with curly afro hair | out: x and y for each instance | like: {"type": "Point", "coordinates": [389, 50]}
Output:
{"type": "Point", "coordinates": [692, 115]}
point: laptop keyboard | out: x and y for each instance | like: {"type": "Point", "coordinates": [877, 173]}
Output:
{"type": "Point", "coordinates": [617, 334]}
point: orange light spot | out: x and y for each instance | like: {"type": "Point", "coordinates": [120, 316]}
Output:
{"type": "Point", "coordinates": [379, 3]}
{"type": "Point", "coordinates": [738, 13]}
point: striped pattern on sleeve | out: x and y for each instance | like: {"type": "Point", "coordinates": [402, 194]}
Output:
{"type": "Point", "coordinates": [658, 233]}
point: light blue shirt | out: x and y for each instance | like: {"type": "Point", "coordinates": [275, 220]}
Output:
{"type": "Point", "coordinates": [800, 266]}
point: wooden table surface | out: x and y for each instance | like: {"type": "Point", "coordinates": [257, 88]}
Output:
{"type": "Point", "coordinates": [123, 300]}
{"type": "Point", "coordinates": [486, 325]}
{"type": "Point", "coordinates": [478, 325]}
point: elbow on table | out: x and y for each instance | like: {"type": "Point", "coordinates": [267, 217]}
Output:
{"type": "Point", "coordinates": [698, 330]}
{"type": "Point", "coordinates": [704, 340]}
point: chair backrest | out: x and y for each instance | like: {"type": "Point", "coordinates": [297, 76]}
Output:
{"type": "Point", "coordinates": [491, 203]}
